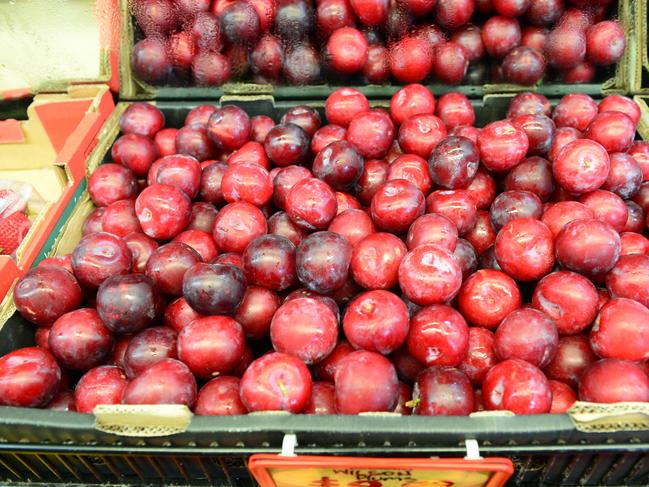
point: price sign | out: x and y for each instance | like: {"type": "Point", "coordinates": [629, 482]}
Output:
{"type": "Point", "coordinates": [318, 471]}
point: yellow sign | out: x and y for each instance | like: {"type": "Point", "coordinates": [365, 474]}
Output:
{"type": "Point", "coordinates": [361, 477]}
{"type": "Point", "coordinates": [317, 471]}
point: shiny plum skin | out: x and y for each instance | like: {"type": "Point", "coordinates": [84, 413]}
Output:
{"type": "Point", "coordinates": [163, 211]}
{"type": "Point", "coordinates": [211, 178]}
{"type": "Point", "coordinates": [168, 265]}
{"type": "Point", "coordinates": [142, 119]}
{"type": "Point", "coordinates": [45, 293]}
{"type": "Point", "coordinates": [280, 224]}
{"type": "Point", "coordinates": [303, 116]}
{"type": "Point", "coordinates": [247, 181]}
{"type": "Point", "coordinates": [412, 168]}
{"type": "Point", "coordinates": [220, 397]}
{"type": "Point", "coordinates": [214, 289]}
{"type": "Point", "coordinates": [621, 330]}
{"type": "Point", "coordinates": [487, 297]}
{"type": "Point", "coordinates": [517, 386]}
{"type": "Point", "coordinates": [371, 133]}
{"type": "Point", "coordinates": [256, 311]}
{"type": "Point", "coordinates": [141, 247]}
{"type": "Point", "coordinates": [630, 278]}
{"type": "Point", "coordinates": [375, 173]}
{"type": "Point", "coordinates": [305, 328]}
{"type": "Point", "coordinates": [482, 235]}
{"type": "Point", "coordinates": [181, 171]}
{"type": "Point", "coordinates": [560, 214]}
{"type": "Point", "coordinates": [110, 183]}
{"type": "Point", "coordinates": [365, 381]}
{"type": "Point", "coordinates": [101, 385]}
{"type": "Point", "coordinates": [353, 224]}
{"type": "Point", "coordinates": [573, 356]}
{"type": "Point", "coordinates": [376, 321]}
{"type": "Point", "coordinates": [443, 391]}
{"type": "Point", "coordinates": [339, 165]}
{"type": "Point", "coordinates": [456, 205]}
{"type": "Point", "coordinates": [420, 134]}
{"type": "Point", "coordinates": [511, 205]}
{"type": "Point", "coordinates": [563, 397]}
{"type": "Point", "coordinates": [63, 401]}
{"type": "Point", "coordinates": [525, 249]}
{"type": "Point", "coordinates": [375, 261]}
{"type": "Point", "coordinates": [326, 369]}
{"type": "Point", "coordinates": [502, 145]}
{"type": "Point", "coordinates": [590, 247]}
{"type": "Point", "coordinates": [438, 335]}
{"type": "Point", "coordinates": [276, 382]}
{"type": "Point", "coordinates": [429, 275]}
{"type": "Point", "coordinates": [98, 256]}
{"type": "Point", "coordinates": [211, 346]}
{"type": "Point", "coordinates": [179, 314]}
{"type": "Point", "coordinates": [466, 258]}
{"type": "Point", "coordinates": [396, 205]}
{"type": "Point", "coordinates": [286, 144]}
{"type": "Point", "coordinates": [270, 261]}
{"type": "Point", "coordinates": [607, 207]}
{"type": "Point", "coordinates": [167, 382]}
{"type": "Point", "coordinates": [285, 179]}
{"type": "Point", "coordinates": [135, 152]}
{"type": "Point", "coordinates": [322, 261]}
{"type": "Point", "coordinates": [432, 229]}
{"type": "Point", "coordinates": [581, 166]}
{"type": "Point", "coordinates": [202, 242]}
{"type": "Point", "coordinates": [343, 104]}
{"type": "Point", "coordinates": [29, 377]}
{"type": "Point", "coordinates": [611, 380]}
{"type": "Point", "coordinates": [119, 218]}
{"type": "Point", "coordinates": [454, 162]}
{"type": "Point", "coordinates": [80, 340]}
{"type": "Point", "coordinates": [625, 175]}
{"type": "Point", "coordinates": [534, 174]}
{"type": "Point", "coordinates": [480, 356]}
{"type": "Point", "coordinates": [236, 225]}
{"type": "Point", "coordinates": [128, 303]}
{"type": "Point", "coordinates": [229, 127]}
{"type": "Point", "coordinates": [413, 99]}
{"type": "Point", "coordinates": [165, 141]}
{"type": "Point", "coordinates": [322, 400]}
{"type": "Point", "coordinates": [569, 299]}
{"type": "Point", "coordinates": [527, 334]}
{"type": "Point", "coordinates": [148, 348]}
{"type": "Point", "coordinates": [311, 204]}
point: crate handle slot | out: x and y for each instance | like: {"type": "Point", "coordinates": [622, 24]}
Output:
{"type": "Point", "coordinates": [142, 420]}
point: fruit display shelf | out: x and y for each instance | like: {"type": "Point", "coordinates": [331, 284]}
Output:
{"type": "Point", "coordinates": [48, 446]}
{"type": "Point", "coordinates": [612, 79]}
{"type": "Point", "coordinates": [48, 151]}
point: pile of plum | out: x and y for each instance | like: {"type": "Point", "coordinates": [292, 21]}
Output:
{"type": "Point", "coordinates": [400, 260]}
{"type": "Point", "coordinates": [358, 41]}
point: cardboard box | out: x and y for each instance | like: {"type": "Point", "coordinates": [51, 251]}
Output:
{"type": "Point", "coordinates": [49, 151]}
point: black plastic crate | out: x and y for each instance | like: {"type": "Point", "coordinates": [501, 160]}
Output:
{"type": "Point", "coordinates": [611, 79]}
{"type": "Point", "coordinates": [46, 447]}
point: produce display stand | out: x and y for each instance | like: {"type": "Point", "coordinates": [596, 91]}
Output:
{"type": "Point", "coordinates": [602, 445]}
{"type": "Point", "coordinates": [614, 80]}
{"type": "Point", "coordinates": [610, 447]}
